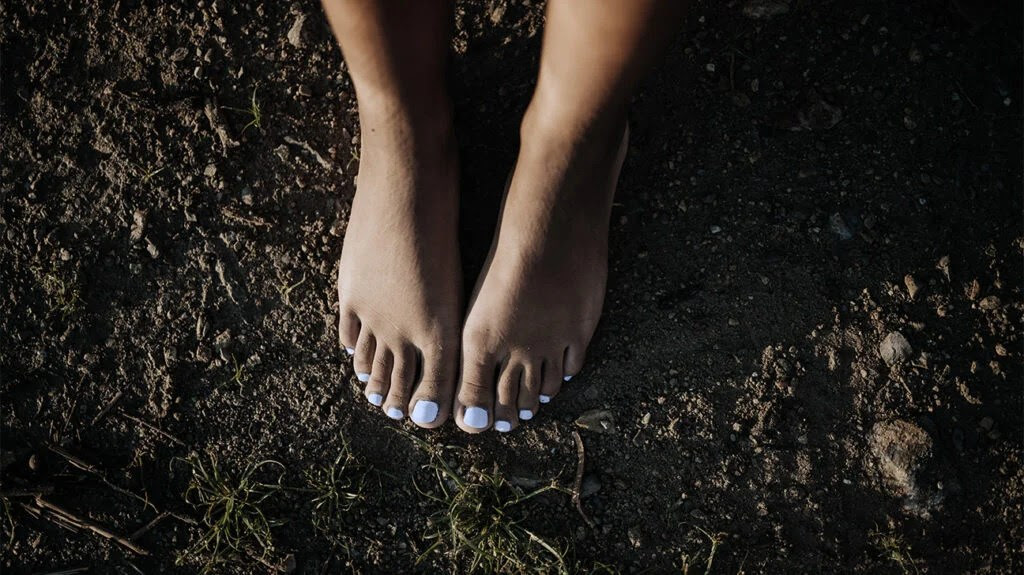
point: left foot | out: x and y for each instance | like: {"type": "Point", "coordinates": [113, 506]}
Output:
{"type": "Point", "coordinates": [539, 298]}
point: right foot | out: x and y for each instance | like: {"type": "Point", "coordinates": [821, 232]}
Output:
{"type": "Point", "coordinates": [399, 279]}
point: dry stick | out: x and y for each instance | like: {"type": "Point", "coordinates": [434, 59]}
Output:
{"type": "Point", "coordinates": [106, 409]}
{"type": "Point", "coordinates": [92, 469]}
{"type": "Point", "coordinates": [580, 460]}
{"type": "Point", "coordinates": [89, 525]}
{"type": "Point", "coordinates": [71, 571]}
{"type": "Point", "coordinates": [145, 528]}
{"type": "Point", "coordinates": [146, 424]}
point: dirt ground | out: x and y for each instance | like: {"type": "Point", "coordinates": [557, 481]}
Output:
{"type": "Point", "coordinates": [809, 360]}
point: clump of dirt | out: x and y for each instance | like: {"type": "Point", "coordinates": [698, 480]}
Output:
{"type": "Point", "coordinates": [810, 357]}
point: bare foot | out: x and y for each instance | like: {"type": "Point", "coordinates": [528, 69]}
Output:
{"type": "Point", "coordinates": [539, 299]}
{"type": "Point", "coordinates": [399, 279]}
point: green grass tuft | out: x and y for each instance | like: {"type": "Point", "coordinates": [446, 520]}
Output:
{"type": "Point", "coordinates": [479, 526]}
{"type": "Point", "coordinates": [232, 515]}
{"type": "Point", "coordinates": [892, 547]}
{"type": "Point", "coordinates": [336, 489]}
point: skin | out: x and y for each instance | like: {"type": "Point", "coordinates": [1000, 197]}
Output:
{"type": "Point", "coordinates": [536, 304]}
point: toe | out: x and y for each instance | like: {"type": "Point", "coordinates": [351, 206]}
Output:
{"type": "Point", "coordinates": [403, 373]}
{"type": "Point", "coordinates": [362, 361]}
{"type": "Point", "coordinates": [551, 378]}
{"type": "Point", "coordinates": [474, 397]}
{"type": "Point", "coordinates": [574, 356]}
{"type": "Point", "coordinates": [529, 390]}
{"type": "Point", "coordinates": [431, 401]}
{"type": "Point", "coordinates": [506, 417]}
{"type": "Point", "coordinates": [380, 376]}
{"type": "Point", "coordinates": [348, 330]}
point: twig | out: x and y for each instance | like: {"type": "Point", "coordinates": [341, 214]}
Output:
{"type": "Point", "coordinates": [146, 424]}
{"type": "Point", "coordinates": [145, 528]}
{"type": "Point", "coordinates": [88, 525]}
{"type": "Point", "coordinates": [70, 571]}
{"type": "Point", "coordinates": [577, 487]}
{"type": "Point", "coordinates": [98, 473]}
{"type": "Point", "coordinates": [106, 409]}
{"type": "Point", "coordinates": [252, 221]}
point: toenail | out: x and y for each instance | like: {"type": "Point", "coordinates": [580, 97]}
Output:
{"type": "Point", "coordinates": [350, 351]}
{"type": "Point", "coordinates": [475, 417]}
{"type": "Point", "coordinates": [544, 398]}
{"type": "Point", "coordinates": [363, 377]}
{"type": "Point", "coordinates": [395, 413]}
{"type": "Point", "coordinates": [525, 414]}
{"type": "Point", "coordinates": [375, 398]}
{"type": "Point", "coordinates": [503, 426]}
{"type": "Point", "coordinates": [424, 411]}
{"type": "Point", "coordinates": [566, 378]}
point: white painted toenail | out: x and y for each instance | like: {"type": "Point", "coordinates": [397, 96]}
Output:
{"type": "Point", "coordinates": [350, 351]}
{"type": "Point", "coordinates": [363, 377]}
{"type": "Point", "coordinates": [525, 414]}
{"type": "Point", "coordinates": [566, 378]}
{"type": "Point", "coordinates": [394, 413]}
{"type": "Point", "coordinates": [503, 426]}
{"type": "Point", "coordinates": [375, 398]}
{"type": "Point", "coordinates": [544, 398]}
{"type": "Point", "coordinates": [475, 417]}
{"type": "Point", "coordinates": [424, 411]}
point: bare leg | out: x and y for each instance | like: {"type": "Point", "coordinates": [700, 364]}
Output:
{"type": "Point", "coordinates": [539, 299]}
{"type": "Point", "coordinates": [399, 279]}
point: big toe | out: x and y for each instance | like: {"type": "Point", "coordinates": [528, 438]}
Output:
{"type": "Point", "coordinates": [431, 402]}
{"type": "Point", "coordinates": [474, 396]}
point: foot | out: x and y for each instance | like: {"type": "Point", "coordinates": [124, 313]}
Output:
{"type": "Point", "coordinates": [539, 298]}
{"type": "Point", "coordinates": [399, 278]}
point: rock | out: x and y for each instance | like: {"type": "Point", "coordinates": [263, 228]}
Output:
{"type": "Point", "coordinates": [912, 287]}
{"type": "Point", "coordinates": [989, 303]}
{"type": "Point", "coordinates": [943, 266]}
{"type": "Point", "coordinates": [838, 226]}
{"type": "Point", "coordinates": [138, 225]}
{"type": "Point", "coordinates": [598, 420]}
{"type": "Point", "coordinates": [636, 536]}
{"type": "Point", "coordinates": [765, 9]}
{"type": "Point", "coordinates": [295, 32]}
{"type": "Point", "coordinates": [906, 459]}
{"type": "Point", "coordinates": [895, 348]}
{"type": "Point", "coordinates": [33, 462]}
{"type": "Point", "coordinates": [973, 290]}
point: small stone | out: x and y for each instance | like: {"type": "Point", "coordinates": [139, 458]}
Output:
{"type": "Point", "coordinates": [154, 252]}
{"type": "Point", "coordinates": [912, 287]}
{"type": "Point", "coordinates": [646, 419]}
{"type": "Point", "coordinates": [1001, 350]}
{"type": "Point", "coordinates": [247, 196]}
{"type": "Point", "coordinates": [210, 171]}
{"type": "Point", "coordinates": [716, 229]}
{"type": "Point", "coordinates": [989, 303]}
{"type": "Point", "coordinates": [986, 423]}
{"type": "Point", "coordinates": [973, 290]}
{"type": "Point", "coordinates": [943, 266]}
{"type": "Point", "coordinates": [895, 348]}
{"type": "Point", "coordinates": [138, 225]}
{"type": "Point", "coordinates": [33, 462]}
{"type": "Point", "coordinates": [64, 254]}
{"type": "Point", "coordinates": [902, 449]}
{"type": "Point", "coordinates": [765, 9]}
{"type": "Point", "coordinates": [598, 420]}
{"type": "Point", "coordinates": [733, 322]}
{"type": "Point", "coordinates": [295, 32]}
{"type": "Point", "coordinates": [636, 537]}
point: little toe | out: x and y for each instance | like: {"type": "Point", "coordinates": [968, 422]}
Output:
{"type": "Point", "coordinates": [431, 401]}
{"type": "Point", "coordinates": [475, 394]}
{"type": "Point", "coordinates": [506, 416]}
{"type": "Point", "coordinates": [348, 330]}
{"type": "Point", "coordinates": [574, 356]}
{"type": "Point", "coordinates": [379, 380]}
{"type": "Point", "coordinates": [551, 378]}
{"type": "Point", "coordinates": [403, 373]}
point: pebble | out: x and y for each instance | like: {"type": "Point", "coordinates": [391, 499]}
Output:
{"type": "Point", "coordinates": [210, 171]}
{"type": "Point", "coordinates": [715, 229]}
{"type": "Point", "coordinates": [989, 303]}
{"type": "Point", "coordinates": [295, 32]}
{"type": "Point", "coordinates": [895, 348]}
{"type": "Point", "coordinates": [912, 287]}
{"type": "Point", "coordinates": [902, 448]}
{"type": "Point", "coordinates": [598, 420]}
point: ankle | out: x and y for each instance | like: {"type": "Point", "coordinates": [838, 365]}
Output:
{"type": "Point", "coordinates": [562, 121]}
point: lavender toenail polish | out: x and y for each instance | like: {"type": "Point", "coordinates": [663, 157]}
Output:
{"type": "Point", "coordinates": [544, 398]}
{"type": "Point", "coordinates": [424, 411]}
{"type": "Point", "coordinates": [350, 351]}
{"type": "Point", "coordinates": [375, 398]}
{"type": "Point", "coordinates": [363, 377]}
{"type": "Point", "coordinates": [475, 417]}
{"type": "Point", "coordinates": [525, 414]}
{"type": "Point", "coordinates": [566, 378]}
{"type": "Point", "coordinates": [395, 413]}
{"type": "Point", "coordinates": [503, 426]}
